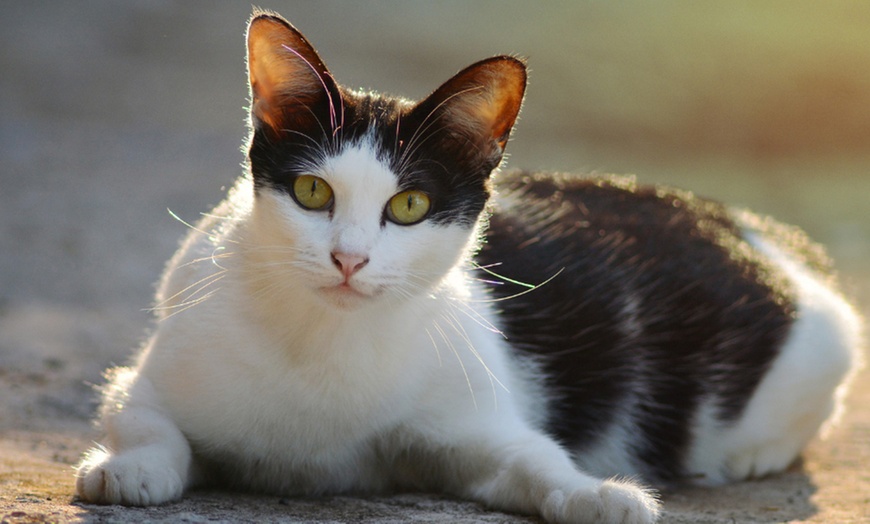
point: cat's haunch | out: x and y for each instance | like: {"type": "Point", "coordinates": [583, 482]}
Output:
{"type": "Point", "coordinates": [376, 307]}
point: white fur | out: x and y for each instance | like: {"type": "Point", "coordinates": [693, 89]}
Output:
{"type": "Point", "coordinates": [803, 389]}
{"type": "Point", "coordinates": [262, 361]}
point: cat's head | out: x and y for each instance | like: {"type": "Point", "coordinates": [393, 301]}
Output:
{"type": "Point", "coordinates": [368, 195]}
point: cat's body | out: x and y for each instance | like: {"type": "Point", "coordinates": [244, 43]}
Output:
{"type": "Point", "coordinates": [689, 341]}
{"type": "Point", "coordinates": [332, 328]}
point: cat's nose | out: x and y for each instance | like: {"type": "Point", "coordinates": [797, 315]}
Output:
{"type": "Point", "coordinates": [348, 263]}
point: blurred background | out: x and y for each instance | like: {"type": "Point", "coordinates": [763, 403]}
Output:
{"type": "Point", "coordinates": [113, 112]}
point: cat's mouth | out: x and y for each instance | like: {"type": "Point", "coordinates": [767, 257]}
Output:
{"type": "Point", "coordinates": [347, 288]}
{"type": "Point", "coordinates": [346, 294]}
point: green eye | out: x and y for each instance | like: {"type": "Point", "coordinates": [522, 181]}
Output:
{"type": "Point", "coordinates": [408, 207]}
{"type": "Point", "coordinates": [312, 192]}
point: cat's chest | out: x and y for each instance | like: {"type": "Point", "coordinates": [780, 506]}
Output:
{"type": "Point", "coordinates": [313, 396]}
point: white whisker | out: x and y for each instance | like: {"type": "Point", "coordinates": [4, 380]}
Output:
{"type": "Point", "coordinates": [474, 315]}
{"type": "Point", "coordinates": [458, 358]}
{"type": "Point", "coordinates": [203, 283]}
{"type": "Point", "coordinates": [529, 288]}
{"type": "Point", "coordinates": [184, 306]}
{"type": "Point", "coordinates": [425, 124]}
{"type": "Point", "coordinates": [190, 301]}
{"type": "Point", "coordinates": [434, 345]}
{"type": "Point", "coordinates": [457, 326]}
{"type": "Point", "coordinates": [210, 235]}
{"type": "Point", "coordinates": [213, 258]}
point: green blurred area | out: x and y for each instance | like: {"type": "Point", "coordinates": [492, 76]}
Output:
{"type": "Point", "coordinates": [760, 104]}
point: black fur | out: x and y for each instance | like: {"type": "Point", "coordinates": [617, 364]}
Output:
{"type": "Point", "coordinates": [409, 139]}
{"type": "Point", "coordinates": [709, 315]}
{"type": "Point", "coordinates": [657, 301]}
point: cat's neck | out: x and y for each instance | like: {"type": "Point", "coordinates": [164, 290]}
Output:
{"type": "Point", "coordinates": [315, 332]}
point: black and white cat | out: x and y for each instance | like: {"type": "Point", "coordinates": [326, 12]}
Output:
{"type": "Point", "coordinates": [353, 318]}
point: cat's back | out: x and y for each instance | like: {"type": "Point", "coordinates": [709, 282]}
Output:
{"type": "Point", "coordinates": [664, 314]}
{"type": "Point", "coordinates": [632, 251]}
{"type": "Point", "coordinates": [615, 214]}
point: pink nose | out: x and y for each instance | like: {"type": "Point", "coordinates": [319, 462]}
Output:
{"type": "Point", "coordinates": [348, 263]}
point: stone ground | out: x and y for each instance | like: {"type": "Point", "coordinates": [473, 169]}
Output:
{"type": "Point", "coordinates": [111, 113]}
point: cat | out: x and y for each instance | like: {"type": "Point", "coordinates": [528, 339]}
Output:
{"type": "Point", "coordinates": [377, 307]}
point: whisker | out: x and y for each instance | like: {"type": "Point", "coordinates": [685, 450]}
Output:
{"type": "Point", "coordinates": [218, 217]}
{"type": "Point", "coordinates": [211, 236]}
{"type": "Point", "coordinates": [529, 288]}
{"type": "Point", "coordinates": [397, 143]}
{"type": "Point", "coordinates": [437, 351]}
{"type": "Point", "coordinates": [457, 326]}
{"type": "Point", "coordinates": [322, 82]}
{"type": "Point", "coordinates": [213, 258]}
{"type": "Point", "coordinates": [190, 301]}
{"type": "Point", "coordinates": [313, 146]}
{"type": "Point", "coordinates": [341, 102]}
{"type": "Point", "coordinates": [475, 316]}
{"type": "Point", "coordinates": [319, 123]}
{"type": "Point", "coordinates": [204, 282]}
{"type": "Point", "coordinates": [458, 358]}
{"type": "Point", "coordinates": [425, 125]}
{"type": "Point", "coordinates": [478, 266]}
{"type": "Point", "coordinates": [484, 281]}
{"type": "Point", "coordinates": [189, 304]}
{"type": "Point", "coordinates": [420, 136]}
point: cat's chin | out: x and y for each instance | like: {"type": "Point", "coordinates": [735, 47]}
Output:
{"type": "Point", "coordinates": [346, 297]}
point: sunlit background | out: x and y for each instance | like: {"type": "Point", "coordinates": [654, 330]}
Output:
{"type": "Point", "coordinates": [113, 112]}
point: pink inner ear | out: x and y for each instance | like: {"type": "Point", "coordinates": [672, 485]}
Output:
{"type": "Point", "coordinates": [332, 118]}
{"type": "Point", "coordinates": [285, 73]}
{"type": "Point", "coordinates": [510, 93]}
{"type": "Point", "coordinates": [263, 90]}
{"type": "Point", "coordinates": [486, 97]}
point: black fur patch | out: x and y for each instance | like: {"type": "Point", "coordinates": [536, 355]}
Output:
{"type": "Point", "coordinates": [708, 314]}
{"type": "Point", "coordinates": [418, 150]}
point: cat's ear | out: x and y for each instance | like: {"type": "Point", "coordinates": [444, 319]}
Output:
{"type": "Point", "coordinates": [290, 86]}
{"type": "Point", "coordinates": [481, 102]}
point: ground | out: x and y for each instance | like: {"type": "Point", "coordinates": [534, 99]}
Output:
{"type": "Point", "coordinates": [114, 113]}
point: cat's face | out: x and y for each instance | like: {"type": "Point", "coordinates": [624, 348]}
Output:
{"type": "Point", "coordinates": [367, 197]}
{"type": "Point", "coordinates": [352, 251]}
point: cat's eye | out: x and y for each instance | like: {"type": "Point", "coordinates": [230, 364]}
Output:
{"type": "Point", "coordinates": [408, 207]}
{"type": "Point", "coordinates": [312, 192]}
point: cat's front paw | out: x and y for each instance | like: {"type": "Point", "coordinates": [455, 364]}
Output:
{"type": "Point", "coordinates": [132, 478]}
{"type": "Point", "coordinates": [614, 502]}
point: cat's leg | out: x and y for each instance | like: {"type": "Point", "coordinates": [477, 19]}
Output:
{"type": "Point", "coordinates": [802, 390]}
{"type": "Point", "coordinates": [534, 475]}
{"type": "Point", "coordinates": [146, 459]}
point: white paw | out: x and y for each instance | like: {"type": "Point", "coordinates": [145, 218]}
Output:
{"type": "Point", "coordinates": [139, 477]}
{"type": "Point", "coordinates": [614, 502]}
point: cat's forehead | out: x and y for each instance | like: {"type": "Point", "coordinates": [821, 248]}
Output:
{"type": "Point", "coordinates": [360, 165]}
{"type": "Point", "coordinates": [371, 140]}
